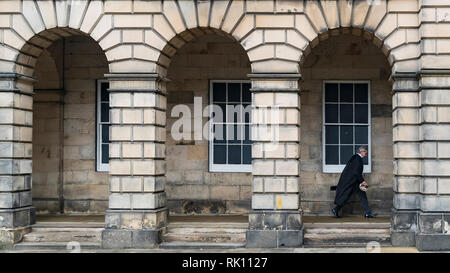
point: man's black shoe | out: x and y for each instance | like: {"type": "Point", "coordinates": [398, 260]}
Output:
{"type": "Point", "coordinates": [370, 215]}
{"type": "Point", "coordinates": [335, 212]}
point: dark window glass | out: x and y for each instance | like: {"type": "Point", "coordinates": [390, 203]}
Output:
{"type": "Point", "coordinates": [246, 94]}
{"type": "Point", "coordinates": [105, 133]}
{"type": "Point", "coordinates": [361, 92]}
{"type": "Point", "coordinates": [247, 112]}
{"type": "Point", "coordinates": [247, 135]}
{"type": "Point", "coordinates": [331, 92]}
{"type": "Point", "coordinates": [104, 95]}
{"type": "Point", "coordinates": [219, 132]}
{"type": "Point", "coordinates": [234, 92]}
{"type": "Point", "coordinates": [247, 154]}
{"type": "Point", "coordinates": [361, 113]}
{"type": "Point", "coordinates": [361, 135]}
{"type": "Point", "coordinates": [346, 113]}
{"type": "Point", "coordinates": [346, 92]}
{"type": "Point", "coordinates": [331, 134]}
{"type": "Point", "coordinates": [105, 153]}
{"type": "Point", "coordinates": [104, 112]}
{"type": "Point", "coordinates": [219, 93]}
{"type": "Point", "coordinates": [234, 133]}
{"type": "Point", "coordinates": [331, 154]}
{"type": "Point", "coordinates": [346, 153]}
{"type": "Point", "coordinates": [220, 154]}
{"type": "Point", "coordinates": [346, 134]}
{"type": "Point", "coordinates": [234, 154]}
{"type": "Point", "coordinates": [222, 118]}
{"type": "Point", "coordinates": [234, 113]}
{"type": "Point", "coordinates": [331, 113]}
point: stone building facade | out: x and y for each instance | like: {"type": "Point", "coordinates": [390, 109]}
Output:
{"type": "Point", "coordinates": [88, 91]}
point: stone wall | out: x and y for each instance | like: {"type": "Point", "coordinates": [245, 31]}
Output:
{"type": "Point", "coordinates": [190, 187]}
{"type": "Point", "coordinates": [71, 185]}
{"type": "Point", "coordinates": [345, 57]}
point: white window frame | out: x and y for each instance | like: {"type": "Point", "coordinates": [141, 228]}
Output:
{"type": "Point", "coordinates": [101, 167]}
{"type": "Point", "coordinates": [328, 168]}
{"type": "Point", "coordinates": [232, 168]}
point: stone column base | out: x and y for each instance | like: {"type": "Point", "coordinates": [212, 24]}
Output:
{"type": "Point", "coordinates": [134, 228]}
{"type": "Point", "coordinates": [273, 229]}
{"type": "Point", "coordinates": [433, 242]}
{"type": "Point", "coordinates": [15, 223]}
{"type": "Point", "coordinates": [404, 227]}
{"type": "Point", "coordinates": [128, 238]}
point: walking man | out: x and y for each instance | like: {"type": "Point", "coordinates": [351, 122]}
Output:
{"type": "Point", "coordinates": [349, 183]}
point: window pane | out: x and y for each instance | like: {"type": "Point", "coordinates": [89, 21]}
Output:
{"type": "Point", "coordinates": [220, 154]}
{"type": "Point", "coordinates": [234, 92]}
{"type": "Point", "coordinates": [331, 113]}
{"type": "Point", "coordinates": [104, 95]}
{"type": "Point", "coordinates": [331, 92]}
{"type": "Point", "coordinates": [331, 134]}
{"type": "Point", "coordinates": [361, 114]}
{"type": "Point", "coordinates": [361, 92]}
{"type": "Point", "coordinates": [219, 133]}
{"type": "Point", "coordinates": [346, 113]}
{"type": "Point", "coordinates": [346, 153]}
{"type": "Point", "coordinates": [216, 117]}
{"type": "Point", "coordinates": [361, 135]}
{"type": "Point", "coordinates": [247, 135]}
{"type": "Point", "coordinates": [247, 112]}
{"type": "Point", "coordinates": [219, 92]}
{"type": "Point", "coordinates": [331, 154]}
{"type": "Point", "coordinates": [246, 94]}
{"type": "Point", "coordinates": [247, 154]}
{"type": "Point", "coordinates": [105, 153]}
{"type": "Point", "coordinates": [346, 134]}
{"type": "Point", "coordinates": [234, 134]}
{"type": "Point", "coordinates": [235, 113]}
{"type": "Point", "coordinates": [105, 133]}
{"type": "Point", "coordinates": [104, 112]}
{"type": "Point", "coordinates": [234, 154]}
{"type": "Point", "coordinates": [346, 92]}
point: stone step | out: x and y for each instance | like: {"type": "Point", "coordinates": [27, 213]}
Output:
{"type": "Point", "coordinates": [360, 225]}
{"type": "Point", "coordinates": [200, 245]}
{"type": "Point", "coordinates": [69, 225]}
{"type": "Point", "coordinates": [67, 235]}
{"type": "Point", "coordinates": [56, 245]}
{"type": "Point", "coordinates": [215, 237]}
{"type": "Point", "coordinates": [332, 239]}
{"type": "Point", "coordinates": [207, 225]}
{"type": "Point", "coordinates": [205, 230]}
{"type": "Point", "coordinates": [353, 231]}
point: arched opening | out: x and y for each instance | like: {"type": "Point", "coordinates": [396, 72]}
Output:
{"type": "Point", "coordinates": [334, 125]}
{"type": "Point", "coordinates": [67, 108]}
{"type": "Point", "coordinates": [203, 177]}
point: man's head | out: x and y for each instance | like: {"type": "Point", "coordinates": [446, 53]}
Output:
{"type": "Point", "coordinates": [362, 150]}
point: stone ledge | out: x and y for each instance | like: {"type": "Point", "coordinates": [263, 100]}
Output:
{"type": "Point", "coordinates": [403, 238]}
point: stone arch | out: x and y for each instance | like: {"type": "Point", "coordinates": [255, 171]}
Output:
{"type": "Point", "coordinates": [41, 23]}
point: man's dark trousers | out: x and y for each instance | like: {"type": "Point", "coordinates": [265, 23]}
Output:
{"type": "Point", "coordinates": [362, 197]}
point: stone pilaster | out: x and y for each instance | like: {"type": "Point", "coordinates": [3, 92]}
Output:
{"type": "Point", "coordinates": [276, 218]}
{"type": "Point", "coordinates": [137, 214]}
{"type": "Point", "coordinates": [434, 216]}
{"type": "Point", "coordinates": [16, 119]}
{"type": "Point", "coordinates": [406, 151]}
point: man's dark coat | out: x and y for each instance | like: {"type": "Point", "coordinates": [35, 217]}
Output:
{"type": "Point", "coordinates": [350, 178]}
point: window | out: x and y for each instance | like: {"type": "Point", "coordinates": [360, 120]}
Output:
{"type": "Point", "coordinates": [230, 146]}
{"type": "Point", "coordinates": [346, 123]}
{"type": "Point", "coordinates": [102, 143]}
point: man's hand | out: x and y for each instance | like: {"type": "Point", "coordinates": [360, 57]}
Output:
{"type": "Point", "coordinates": [364, 183]}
